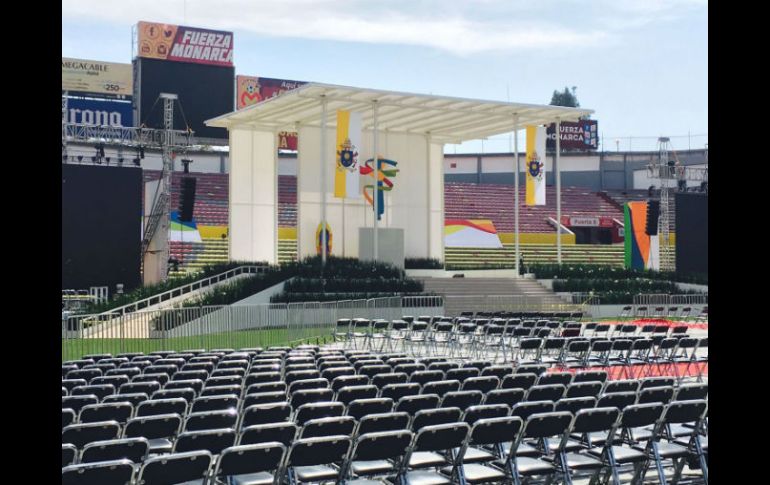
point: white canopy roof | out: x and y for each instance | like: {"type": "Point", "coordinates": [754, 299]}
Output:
{"type": "Point", "coordinates": [446, 119]}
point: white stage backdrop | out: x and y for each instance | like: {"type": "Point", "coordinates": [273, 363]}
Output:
{"type": "Point", "coordinates": [415, 204]}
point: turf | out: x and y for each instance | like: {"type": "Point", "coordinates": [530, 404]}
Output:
{"type": "Point", "coordinates": [76, 348]}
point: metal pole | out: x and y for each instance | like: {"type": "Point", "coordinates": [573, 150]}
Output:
{"type": "Point", "coordinates": [375, 192]}
{"type": "Point", "coordinates": [516, 192]}
{"type": "Point", "coordinates": [323, 180]}
{"type": "Point", "coordinates": [558, 191]}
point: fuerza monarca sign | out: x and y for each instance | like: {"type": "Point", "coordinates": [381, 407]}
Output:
{"type": "Point", "coordinates": [184, 44]}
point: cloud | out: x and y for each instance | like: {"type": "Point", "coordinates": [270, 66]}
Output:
{"type": "Point", "coordinates": [462, 28]}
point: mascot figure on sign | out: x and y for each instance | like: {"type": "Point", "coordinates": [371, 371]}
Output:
{"type": "Point", "coordinates": [251, 92]}
{"type": "Point", "coordinates": [385, 169]}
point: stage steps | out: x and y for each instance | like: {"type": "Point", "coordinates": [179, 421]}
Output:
{"type": "Point", "coordinates": [468, 294]}
{"type": "Point", "coordinates": [287, 250]}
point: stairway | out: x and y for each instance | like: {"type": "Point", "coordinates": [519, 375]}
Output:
{"type": "Point", "coordinates": [491, 294]}
{"type": "Point", "coordinates": [194, 256]}
{"type": "Point", "coordinates": [287, 250]}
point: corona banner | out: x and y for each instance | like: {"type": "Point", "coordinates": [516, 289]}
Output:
{"type": "Point", "coordinates": [184, 44]}
{"type": "Point", "coordinates": [535, 168]}
{"type": "Point", "coordinates": [346, 174]}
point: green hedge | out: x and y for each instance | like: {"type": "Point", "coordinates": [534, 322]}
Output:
{"type": "Point", "coordinates": [596, 271]}
{"type": "Point", "coordinates": [635, 285]}
{"type": "Point", "coordinates": [360, 285]}
{"type": "Point", "coordinates": [343, 268]}
{"type": "Point", "coordinates": [423, 263]}
{"type": "Point", "coordinates": [238, 290]}
{"type": "Point", "coordinates": [335, 296]}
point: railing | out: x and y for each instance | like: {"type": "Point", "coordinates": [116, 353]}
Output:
{"type": "Point", "coordinates": [182, 290]}
{"type": "Point", "coordinates": [227, 326]}
{"type": "Point", "coordinates": [509, 303]}
{"type": "Point", "coordinates": [662, 299]}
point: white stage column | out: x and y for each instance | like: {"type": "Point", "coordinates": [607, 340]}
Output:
{"type": "Point", "coordinates": [435, 189]}
{"type": "Point", "coordinates": [558, 191]}
{"type": "Point", "coordinates": [516, 193]}
{"type": "Point", "coordinates": [253, 172]}
{"type": "Point", "coordinates": [375, 192]}
{"type": "Point", "coordinates": [324, 234]}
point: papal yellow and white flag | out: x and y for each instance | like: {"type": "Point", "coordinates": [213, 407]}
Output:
{"type": "Point", "coordinates": [346, 175]}
{"type": "Point", "coordinates": [535, 165]}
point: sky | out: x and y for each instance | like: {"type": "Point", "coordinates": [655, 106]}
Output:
{"type": "Point", "coordinates": [642, 65]}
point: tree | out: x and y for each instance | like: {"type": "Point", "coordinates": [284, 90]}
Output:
{"type": "Point", "coordinates": [565, 98]}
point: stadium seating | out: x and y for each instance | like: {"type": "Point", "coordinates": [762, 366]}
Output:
{"type": "Point", "coordinates": [352, 411]}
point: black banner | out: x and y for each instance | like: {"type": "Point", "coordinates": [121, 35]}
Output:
{"type": "Point", "coordinates": [583, 135]}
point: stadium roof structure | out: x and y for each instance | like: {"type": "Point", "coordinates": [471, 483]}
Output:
{"type": "Point", "coordinates": [446, 119]}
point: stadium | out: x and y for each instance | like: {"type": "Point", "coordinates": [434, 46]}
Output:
{"type": "Point", "coordinates": [243, 304]}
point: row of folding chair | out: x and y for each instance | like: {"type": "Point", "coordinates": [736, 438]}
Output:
{"type": "Point", "coordinates": [506, 448]}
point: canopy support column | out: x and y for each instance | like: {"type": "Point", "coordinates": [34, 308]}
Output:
{"type": "Point", "coordinates": [375, 192]}
{"type": "Point", "coordinates": [516, 193]}
{"type": "Point", "coordinates": [324, 234]}
{"type": "Point", "coordinates": [558, 190]}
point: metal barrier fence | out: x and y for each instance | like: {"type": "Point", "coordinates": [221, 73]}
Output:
{"type": "Point", "coordinates": [662, 299]}
{"type": "Point", "coordinates": [509, 303]}
{"type": "Point", "coordinates": [227, 326]}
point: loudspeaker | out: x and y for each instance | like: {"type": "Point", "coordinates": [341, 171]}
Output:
{"type": "Point", "coordinates": [187, 199]}
{"type": "Point", "coordinates": [653, 212]}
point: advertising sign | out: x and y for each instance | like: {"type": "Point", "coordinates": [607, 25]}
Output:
{"type": "Point", "coordinates": [586, 221]}
{"type": "Point", "coordinates": [583, 135]}
{"type": "Point", "coordinates": [251, 90]}
{"type": "Point", "coordinates": [104, 78]}
{"type": "Point", "coordinates": [100, 111]}
{"type": "Point", "coordinates": [184, 44]}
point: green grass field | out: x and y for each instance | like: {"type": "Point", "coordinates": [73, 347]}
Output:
{"type": "Point", "coordinates": [76, 348]}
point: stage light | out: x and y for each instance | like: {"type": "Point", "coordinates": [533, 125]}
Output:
{"type": "Point", "coordinates": [120, 161]}
{"type": "Point", "coordinates": [137, 162]}
{"type": "Point", "coordinates": [141, 152]}
{"type": "Point", "coordinates": [186, 163]}
{"type": "Point", "coordinates": [80, 158]}
{"type": "Point", "coordinates": [107, 160]}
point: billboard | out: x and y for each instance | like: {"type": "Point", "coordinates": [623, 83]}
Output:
{"type": "Point", "coordinates": [100, 111]}
{"type": "Point", "coordinates": [583, 135]}
{"type": "Point", "coordinates": [692, 232]}
{"type": "Point", "coordinates": [251, 90]}
{"type": "Point", "coordinates": [204, 92]}
{"type": "Point", "coordinates": [184, 44]}
{"type": "Point", "coordinates": [103, 78]}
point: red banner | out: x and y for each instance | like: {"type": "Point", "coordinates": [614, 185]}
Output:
{"type": "Point", "coordinates": [185, 44]}
{"type": "Point", "coordinates": [587, 221]}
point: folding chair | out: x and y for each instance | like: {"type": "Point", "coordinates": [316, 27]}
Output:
{"type": "Point", "coordinates": [589, 423]}
{"type": "Point", "coordinates": [211, 440]}
{"type": "Point", "coordinates": [194, 384]}
{"type": "Point", "coordinates": [100, 391]}
{"type": "Point", "coordinates": [175, 468]}
{"type": "Point", "coordinates": [483, 384]}
{"type": "Point", "coordinates": [69, 454]}
{"type": "Point", "coordinates": [154, 407]}
{"type": "Point", "coordinates": [133, 449]}
{"type": "Point", "coordinates": [519, 381]}
{"type": "Point", "coordinates": [539, 427]}
{"type": "Point", "coordinates": [316, 410]}
{"type": "Point", "coordinates": [462, 374]}
{"type": "Point", "coordinates": [374, 423]}
{"type": "Point", "coordinates": [631, 449]}
{"type": "Point", "coordinates": [623, 385]}
{"type": "Point", "coordinates": [253, 464]}
{"type": "Point", "coordinates": [433, 447]}
{"type": "Point", "coordinates": [461, 399]}
{"type": "Point", "coordinates": [563, 378]}
{"type": "Point", "coordinates": [584, 389]}
{"type": "Point", "coordinates": [552, 392]}
{"type": "Point", "coordinates": [376, 454]}
{"type": "Point", "coordinates": [688, 416]}
{"type": "Point", "coordinates": [339, 425]}
{"type": "Point", "coordinates": [433, 417]}
{"type": "Point", "coordinates": [76, 403]}
{"type": "Point", "coordinates": [284, 433]}
{"type": "Point", "coordinates": [117, 411]}
{"type": "Point", "coordinates": [397, 391]}
{"type": "Point", "coordinates": [265, 413]}
{"type": "Point", "coordinates": [351, 393]}
{"type": "Point", "coordinates": [205, 420]}
{"type": "Point", "coordinates": [114, 471]}
{"type": "Point", "coordinates": [440, 388]}
{"type": "Point", "coordinates": [82, 434]}
{"type": "Point", "coordinates": [348, 380]}
{"type": "Point", "coordinates": [413, 404]}
{"type": "Point", "coordinates": [214, 403]}
{"type": "Point", "coordinates": [361, 407]}
{"type": "Point", "coordinates": [316, 459]}
{"type": "Point", "coordinates": [484, 448]}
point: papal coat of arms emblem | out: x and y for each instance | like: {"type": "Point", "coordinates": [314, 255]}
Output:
{"type": "Point", "coordinates": [348, 156]}
{"type": "Point", "coordinates": [535, 166]}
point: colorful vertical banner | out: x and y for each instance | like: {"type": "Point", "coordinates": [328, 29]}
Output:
{"type": "Point", "coordinates": [319, 243]}
{"type": "Point", "coordinates": [641, 250]}
{"type": "Point", "coordinates": [536, 165]}
{"type": "Point", "coordinates": [346, 175]}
